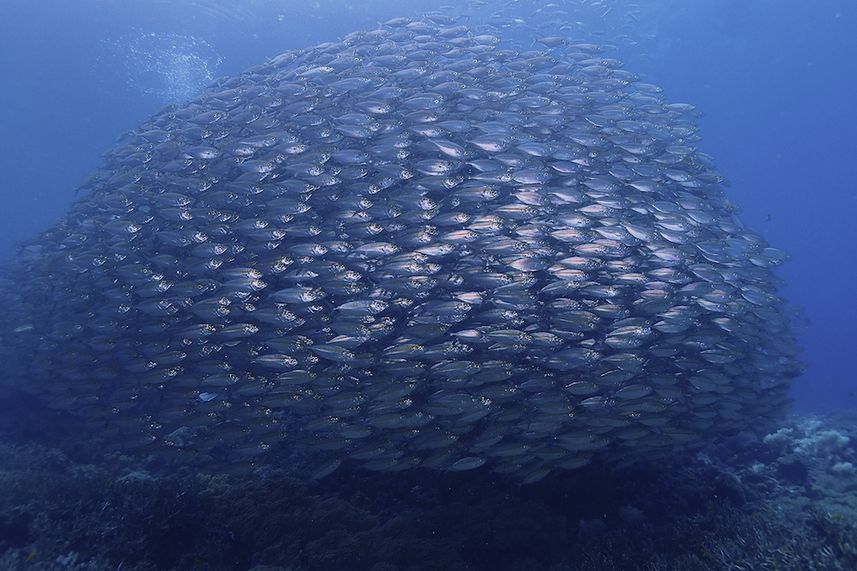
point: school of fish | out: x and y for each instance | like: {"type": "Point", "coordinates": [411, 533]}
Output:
{"type": "Point", "coordinates": [410, 248]}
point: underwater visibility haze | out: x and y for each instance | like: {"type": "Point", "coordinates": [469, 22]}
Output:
{"type": "Point", "coordinates": [298, 285]}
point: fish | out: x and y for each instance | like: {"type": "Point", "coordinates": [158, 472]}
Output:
{"type": "Point", "coordinates": [480, 258]}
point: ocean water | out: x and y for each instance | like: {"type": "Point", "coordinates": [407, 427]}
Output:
{"type": "Point", "coordinates": [775, 82]}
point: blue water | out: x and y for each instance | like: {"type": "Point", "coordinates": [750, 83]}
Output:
{"type": "Point", "coordinates": [775, 80]}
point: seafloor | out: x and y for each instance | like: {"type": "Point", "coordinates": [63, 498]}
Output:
{"type": "Point", "coordinates": [780, 501]}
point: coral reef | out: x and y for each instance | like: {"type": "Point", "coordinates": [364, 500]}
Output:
{"type": "Point", "coordinates": [737, 505]}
